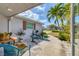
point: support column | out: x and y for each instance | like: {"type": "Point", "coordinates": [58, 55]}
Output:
{"type": "Point", "coordinates": [72, 31]}
{"type": "Point", "coordinates": [34, 27]}
{"type": "Point", "coordinates": [8, 24]}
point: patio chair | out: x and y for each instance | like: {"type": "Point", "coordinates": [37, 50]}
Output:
{"type": "Point", "coordinates": [10, 50]}
{"type": "Point", "coordinates": [35, 35]}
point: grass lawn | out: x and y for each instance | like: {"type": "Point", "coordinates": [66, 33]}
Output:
{"type": "Point", "coordinates": [76, 36]}
{"type": "Point", "coordinates": [59, 34]}
{"type": "Point", "coordinates": [49, 32]}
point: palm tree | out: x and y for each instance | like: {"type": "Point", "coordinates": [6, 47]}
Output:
{"type": "Point", "coordinates": [76, 7]}
{"type": "Point", "coordinates": [60, 12]}
{"type": "Point", "coordinates": [57, 13]}
{"type": "Point", "coordinates": [53, 13]}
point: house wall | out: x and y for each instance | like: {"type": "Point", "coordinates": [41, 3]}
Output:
{"type": "Point", "coordinates": [29, 32]}
{"type": "Point", "coordinates": [3, 24]}
{"type": "Point", "coordinates": [15, 24]}
{"type": "Point", "coordinates": [39, 27]}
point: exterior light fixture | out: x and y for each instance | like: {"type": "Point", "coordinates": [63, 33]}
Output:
{"type": "Point", "coordinates": [10, 10]}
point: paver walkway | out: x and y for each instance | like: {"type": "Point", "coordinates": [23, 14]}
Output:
{"type": "Point", "coordinates": [53, 47]}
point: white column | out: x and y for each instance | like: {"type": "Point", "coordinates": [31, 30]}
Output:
{"type": "Point", "coordinates": [72, 38]}
{"type": "Point", "coordinates": [8, 18]}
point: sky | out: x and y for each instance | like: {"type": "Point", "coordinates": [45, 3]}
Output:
{"type": "Point", "coordinates": [40, 13]}
{"type": "Point", "coordinates": [77, 19]}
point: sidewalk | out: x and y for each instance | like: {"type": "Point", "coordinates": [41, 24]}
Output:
{"type": "Point", "coordinates": [53, 47]}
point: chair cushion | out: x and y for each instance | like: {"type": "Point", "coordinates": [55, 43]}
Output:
{"type": "Point", "coordinates": [1, 51]}
{"type": "Point", "coordinates": [9, 50]}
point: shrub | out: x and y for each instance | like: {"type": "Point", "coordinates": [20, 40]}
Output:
{"type": "Point", "coordinates": [1, 36]}
{"type": "Point", "coordinates": [67, 29]}
{"type": "Point", "coordinates": [55, 30]}
{"type": "Point", "coordinates": [44, 34]}
{"type": "Point", "coordinates": [20, 33]}
{"type": "Point", "coordinates": [10, 33]}
{"type": "Point", "coordinates": [64, 36]}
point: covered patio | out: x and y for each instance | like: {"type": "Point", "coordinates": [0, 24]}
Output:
{"type": "Point", "coordinates": [10, 10]}
{"type": "Point", "coordinates": [7, 13]}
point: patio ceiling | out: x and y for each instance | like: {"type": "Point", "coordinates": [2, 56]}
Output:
{"type": "Point", "coordinates": [11, 9]}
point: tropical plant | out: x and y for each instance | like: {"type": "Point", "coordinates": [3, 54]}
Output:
{"type": "Point", "coordinates": [53, 13]}
{"type": "Point", "coordinates": [76, 7]}
{"type": "Point", "coordinates": [60, 12]}
{"type": "Point", "coordinates": [64, 36]}
{"type": "Point", "coordinates": [1, 36]}
{"type": "Point", "coordinates": [20, 34]}
{"type": "Point", "coordinates": [51, 26]}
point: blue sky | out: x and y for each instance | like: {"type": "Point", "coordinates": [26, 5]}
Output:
{"type": "Point", "coordinates": [77, 19]}
{"type": "Point", "coordinates": [40, 13]}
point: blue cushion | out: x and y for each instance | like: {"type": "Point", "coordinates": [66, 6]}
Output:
{"type": "Point", "coordinates": [9, 50]}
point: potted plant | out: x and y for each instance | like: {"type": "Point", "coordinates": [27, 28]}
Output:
{"type": "Point", "coordinates": [20, 34]}
{"type": "Point", "coordinates": [1, 36]}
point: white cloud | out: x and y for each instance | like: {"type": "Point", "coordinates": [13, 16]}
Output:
{"type": "Point", "coordinates": [30, 14]}
{"type": "Point", "coordinates": [43, 21]}
{"type": "Point", "coordinates": [40, 8]}
{"type": "Point", "coordinates": [35, 16]}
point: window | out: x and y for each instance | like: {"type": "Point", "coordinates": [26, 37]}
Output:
{"type": "Point", "coordinates": [29, 25]}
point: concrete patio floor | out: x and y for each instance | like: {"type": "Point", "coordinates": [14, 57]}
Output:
{"type": "Point", "coordinates": [53, 47]}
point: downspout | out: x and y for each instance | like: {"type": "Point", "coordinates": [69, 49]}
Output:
{"type": "Point", "coordinates": [34, 26]}
{"type": "Point", "coordinates": [72, 31]}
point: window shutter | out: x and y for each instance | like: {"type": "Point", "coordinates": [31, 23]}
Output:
{"type": "Point", "coordinates": [24, 25]}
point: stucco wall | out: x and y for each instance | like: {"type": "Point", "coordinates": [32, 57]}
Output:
{"type": "Point", "coordinates": [3, 24]}
{"type": "Point", "coordinates": [39, 27]}
{"type": "Point", "coordinates": [15, 24]}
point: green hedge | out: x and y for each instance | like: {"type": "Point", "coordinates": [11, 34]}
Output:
{"type": "Point", "coordinates": [44, 34]}
{"type": "Point", "coordinates": [64, 36]}
{"type": "Point", "coordinates": [55, 31]}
